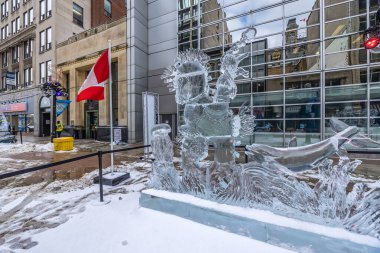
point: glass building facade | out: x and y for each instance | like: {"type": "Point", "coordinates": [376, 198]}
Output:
{"type": "Point", "coordinates": [307, 63]}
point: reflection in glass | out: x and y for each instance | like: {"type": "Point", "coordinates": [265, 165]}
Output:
{"type": "Point", "coordinates": [272, 98]}
{"type": "Point", "coordinates": [344, 43]}
{"type": "Point", "coordinates": [302, 64]}
{"type": "Point", "coordinates": [302, 96]}
{"type": "Point", "coordinates": [302, 111]}
{"type": "Point", "coordinates": [356, 92]}
{"type": "Point", "coordinates": [238, 101]}
{"type": "Point", "coordinates": [346, 109]}
{"type": "Point", "coordinates": [303, 125]}
{"type": "Point", "coordinates": [343, 77]}
{"type": "Point", "coordinates": [374, 110]}
{"type": "Point", "coordinates": [302, 81]}
{"type": "Point", "coordinates": [243, 88]}
{"type": "Point", "coordinates": [299, 6]}
{"type": "Point", "coordinates": [345, 26]}
{"type": "Point", "coordinates": [268, 112]}
{"type": "Point", "coordinates": [343, 10]}
{"type": "Point", "coordinates": [267, 85]}
{"type": "Point", "coordinates": [361, 123]}
{"type": "Point", "coordinates": [375, 91]}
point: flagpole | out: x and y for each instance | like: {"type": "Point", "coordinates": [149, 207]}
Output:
{"type": "Point", "coordinates": [111, 110]}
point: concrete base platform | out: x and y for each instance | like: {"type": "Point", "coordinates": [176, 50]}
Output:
{"type": "Point", "coordinates": [260, 225]}
{"type": "Point", "coordinates": [112, 179]}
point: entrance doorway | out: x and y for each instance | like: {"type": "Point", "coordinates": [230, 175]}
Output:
{"type": "Point", "coordinates": [45, 128]}
{"type": "Point", "coordinates": [91, 124]}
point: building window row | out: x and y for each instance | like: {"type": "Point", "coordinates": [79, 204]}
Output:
{"type": "Point", "coordinates": [45, 9]}
{"type": "Point", "coordinates": [16, 25]}
{"type": "Point", "coordinates": [45, 40]}
{"type": "Point", "coordinates": [28, 49]}
{"type": "Point", "coordinates": [45, 72]}
{"type": "Point", "coordinates": [4, 9]}
{"type": "Point", "coordinates": [5, 32]}
{"type": "Point", "coordinates": [15, 5]}
{"type": "Point", "coordinates": [28, 76]}
{"type": "Point", "coordinates": [28, 18]}
{"type": "Point", "coordinates": [15, 54]}
{"type": "Point", "coordinates": [4, 59]}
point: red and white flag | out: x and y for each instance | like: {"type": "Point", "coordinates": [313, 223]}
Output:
{"type": "Point", "coordinates": [93, 86]}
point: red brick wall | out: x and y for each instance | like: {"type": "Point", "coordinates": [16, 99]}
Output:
{"type": "Point", "coordinates": [97, 11]}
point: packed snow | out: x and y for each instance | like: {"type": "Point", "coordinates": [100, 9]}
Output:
{"type": "Point", "coordinates": [66, 216]}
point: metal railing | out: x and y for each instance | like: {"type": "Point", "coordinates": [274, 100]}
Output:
{"type": "Point", "coordinates": [99, 154]}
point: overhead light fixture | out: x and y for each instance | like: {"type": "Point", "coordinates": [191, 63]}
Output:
{"type": "Point", "coordinates": [371, 43]}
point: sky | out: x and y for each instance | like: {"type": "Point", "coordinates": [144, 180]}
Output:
{"type": "Point", "coordinates": [233, 8]}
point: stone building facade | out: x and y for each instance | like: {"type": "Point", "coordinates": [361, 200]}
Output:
{"type": "Point", "coordinates": [75, 58]}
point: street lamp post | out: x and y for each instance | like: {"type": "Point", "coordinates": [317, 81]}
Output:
{"type": "Point", "coordinates": [54, 89]}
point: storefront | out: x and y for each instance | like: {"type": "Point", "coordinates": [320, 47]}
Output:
{"type": "Point", "coordinates": [19, 115]}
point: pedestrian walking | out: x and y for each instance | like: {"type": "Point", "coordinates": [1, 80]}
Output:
{"type": "Point", "coordinates": [59, 128]}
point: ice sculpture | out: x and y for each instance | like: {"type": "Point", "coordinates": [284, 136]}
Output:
{"type": "Point", "coordinates": [5, 135]}
{"type": "Point", "coordinates": [359, 140]}
{"type": "Point", "coordinates": [269, 180]}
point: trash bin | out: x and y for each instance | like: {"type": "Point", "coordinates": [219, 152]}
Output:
{"type": "Point", "coordinates": [63, 144]}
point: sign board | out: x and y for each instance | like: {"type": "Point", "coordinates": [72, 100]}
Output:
{"type": "Point", "coordinates": [10, 78]}
{"type": "Point", "coordinates": [150, 115]}
{"type": "Point", "coordinates": [117, 135]}
{"type": "Point", "coordinates": [17, 107]}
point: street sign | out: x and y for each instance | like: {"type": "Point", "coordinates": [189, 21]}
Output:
{"type": "Point", "coordinates": [117, 135]}
{"type": "Point", "coordinates": [10, 78]}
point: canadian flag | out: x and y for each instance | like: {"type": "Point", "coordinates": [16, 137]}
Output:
{"type": "Point", "coordinates": [93, 86]}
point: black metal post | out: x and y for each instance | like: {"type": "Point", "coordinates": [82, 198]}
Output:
{"type": "Point", "coordinates": [21, 137]}
{"type": "Point", "coordinates": [100, 154]}
{"type": "Point", "coordinates": [54, 118]}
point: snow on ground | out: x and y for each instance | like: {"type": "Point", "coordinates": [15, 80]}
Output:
{"type": "Point", "coordinates": [65, 216]}
{"type": "Point", "coordinates": [10, 164]}
{"type": "Point", "coordinates": [6, 148]}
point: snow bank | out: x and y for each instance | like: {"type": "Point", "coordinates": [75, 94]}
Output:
{"type": "Point", "coordinates": [29, 147]}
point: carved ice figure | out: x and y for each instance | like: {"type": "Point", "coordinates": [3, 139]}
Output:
{"type": "Point", "coordinates": [271, 179]}
{"type": "Point", "coordinates": [359, 141]}
{"type": "Point", "coordinates": [165, 175]}
{"type": "Point", "coordinates": [305, 157]}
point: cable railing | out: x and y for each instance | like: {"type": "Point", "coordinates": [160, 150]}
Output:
{"type": "Point", "coordinates": [99, 154]}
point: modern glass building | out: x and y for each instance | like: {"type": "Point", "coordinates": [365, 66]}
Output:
{"type": "Point", "coordinates": [307, 63]}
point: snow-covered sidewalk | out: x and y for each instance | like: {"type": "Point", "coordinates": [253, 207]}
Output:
{"type": "Point", "coordinates": [65, 216]}
{"type": "Point", "coordinates": [122, 226]}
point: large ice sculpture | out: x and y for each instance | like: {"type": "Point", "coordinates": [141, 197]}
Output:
{"type": "Point", "coordinates": [269, 180]}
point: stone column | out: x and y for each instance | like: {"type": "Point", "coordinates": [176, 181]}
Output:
{"type": "Point", "coordinates": [122, 86]}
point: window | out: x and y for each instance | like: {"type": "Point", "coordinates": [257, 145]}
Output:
{"type": "Point", "coordinates": [48, 8]}
{"type": "Point", "coordinates": [42, 9]}
{"type": "Point", "coordinates": [17, 74]}
{"type": "Point", "coordinates": [2, 10]}
{"type": "Point", "coordinates": [48, 38]}
{"type": "Point", "coordinates": [13, 5]}
{"type": "Point", "coordinates": [31, 17]}
{"type": "Point", "coordinates": [42, 41]}
{"type": "Point", "coordinates": [13, 26]}
{"type": "Point", "coordinates": [45, 39]}
{"type": "Point", "coordinates": [28, 78]}
{"type": "Point", "coordinates": [77, 14]}
{"type": "Point", "coordinates": [28, 49]}
{"type": "Point", "coordinates": [49, 70]}
{"type": "Point", "coordinates": [4, 59]}
{"type": "Point", "coordinates": [107, 8]}
{"type": "Point", "coordinates": [26, 19]}
{"type": "Point", "coordinates": [42, 72]}
{"type": "Point", "coordinates": [3, 83]}
{"type": "Point", "coordinates": [2, 35]}
{"type": "Point", "coordinates": [6, 29]}
{"type": "Point", "coordinates": [6, 8]}
{"type": "Point", "coordinates": [15, 54]}
{"type": "Point", "coordinates": [18, 24]}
